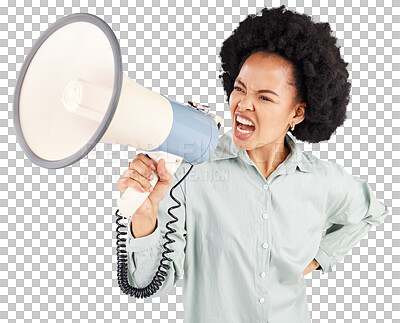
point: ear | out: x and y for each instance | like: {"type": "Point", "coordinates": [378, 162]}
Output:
{"type": "Point", "coordinates": [300, 111]}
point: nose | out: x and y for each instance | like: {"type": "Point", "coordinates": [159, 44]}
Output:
{"type": "Point", "coordinates": [245, 104]}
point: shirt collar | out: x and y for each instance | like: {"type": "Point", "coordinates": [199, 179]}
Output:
{"type": "Point", "coordinates": [226, 149]}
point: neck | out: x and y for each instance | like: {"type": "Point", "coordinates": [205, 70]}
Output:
{"type": "Point", "coordinates": [268, 157]}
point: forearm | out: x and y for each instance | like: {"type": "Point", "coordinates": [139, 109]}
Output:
{"type": "Point", "coordinates": [142, 227]}
{"type": "Point", "coordinates": [144, 255]}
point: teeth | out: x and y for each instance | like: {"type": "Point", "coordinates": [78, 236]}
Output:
{"type": "Point", "coordinates": [243, 131]}
{"type": "Point", "coordinates": [244, 121]}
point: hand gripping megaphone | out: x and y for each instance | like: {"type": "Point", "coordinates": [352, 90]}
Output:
{"type": "Point", "coordinates": [71, 93]}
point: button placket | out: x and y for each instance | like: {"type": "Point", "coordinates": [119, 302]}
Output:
{"type": "Point", "coordinates": [265, 246]}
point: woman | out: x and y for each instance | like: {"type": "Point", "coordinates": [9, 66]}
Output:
{"type": "Point", "coordinates": [252, 216]}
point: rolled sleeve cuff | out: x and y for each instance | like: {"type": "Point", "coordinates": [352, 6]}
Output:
{"type": "Point", "coordinates": [144, 243]}
{"type": "Point", "coordinates": [325, 261]}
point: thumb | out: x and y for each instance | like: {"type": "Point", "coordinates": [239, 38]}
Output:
{"type": "Point", "coordinates": [164, 176]}
{"type": "Point", "coordinates": [164, 182]}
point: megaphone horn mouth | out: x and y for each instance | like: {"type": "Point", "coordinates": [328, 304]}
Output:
{"type": "Point", "coordinates": [79, 46]}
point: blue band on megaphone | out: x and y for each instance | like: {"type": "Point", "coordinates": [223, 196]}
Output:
{"type": "Point", "coordinates": [193, 136]}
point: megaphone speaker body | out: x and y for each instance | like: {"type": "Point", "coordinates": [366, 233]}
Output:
{"type": "Point", "coordinates": [71, 94]}
{"type": "Point", "coordinates": [162, 124]}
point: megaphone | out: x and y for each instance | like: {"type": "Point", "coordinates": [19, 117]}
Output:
{"type": "Point", "coordinates": [71, 94]}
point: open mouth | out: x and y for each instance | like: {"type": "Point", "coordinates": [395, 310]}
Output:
{"type": "Point", "coordinates": [244, 126]}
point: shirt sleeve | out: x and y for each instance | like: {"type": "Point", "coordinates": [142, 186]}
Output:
{"type": "Point", "coordinates": [352, 211]}
{"type": "Point", "coordinates": [145, 253]}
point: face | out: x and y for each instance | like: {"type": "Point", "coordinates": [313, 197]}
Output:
{"type": "Point", "coordinates": [263, 96]}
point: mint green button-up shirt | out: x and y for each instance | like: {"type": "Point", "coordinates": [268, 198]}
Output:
{"type": "Point", "coordinates": [242, 240]}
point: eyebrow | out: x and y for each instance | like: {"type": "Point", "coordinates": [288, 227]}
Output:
{"type": "Point", "coordinates": [260, 91]}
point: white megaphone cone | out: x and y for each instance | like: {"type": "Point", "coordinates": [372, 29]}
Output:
{"type": "Point", "coordinates": [71, 94]}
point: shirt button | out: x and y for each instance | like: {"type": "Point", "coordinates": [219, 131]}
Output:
{"type": "Point", "coordinates": [262, 274]}
{"type": "Point", "coordinates": [262, 300]}
{"type": "Point", "coordinates": [265, 186]}
{"type": "Point", "coordinates": [265, 215]}
{"type": "Point", "coordinates": [265, 245]}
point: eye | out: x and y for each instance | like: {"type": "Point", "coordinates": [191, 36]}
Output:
{"type": "Point", "coordinates": [265, 98]}
{"type": "Point", "coordinates": [237, 88]}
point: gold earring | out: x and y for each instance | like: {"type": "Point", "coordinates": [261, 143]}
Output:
{"type": "Point", "coordinates": [292, 127]}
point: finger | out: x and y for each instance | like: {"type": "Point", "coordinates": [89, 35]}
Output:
{"type": "Point", "coordinates": [123, 185]}
{"type": "Point", "coordinates": [146, 172]}
{"type": "Point", "coordinates": [136, 177]}
{"type": "Point", "coordinates": [120, 185]}
{"type": "Point", "coordinates": [147, 160]}
{"type": "Point", "coordinates": [129, 182]}
{"type": "Point", "coordinates": [139, 166]}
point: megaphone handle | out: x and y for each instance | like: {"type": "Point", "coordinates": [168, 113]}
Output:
{"type": "Point", "coordinates": [132, 199]}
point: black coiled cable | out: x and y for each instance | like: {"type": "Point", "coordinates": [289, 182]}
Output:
{"type": "Point", "coordinates": [122, 256]}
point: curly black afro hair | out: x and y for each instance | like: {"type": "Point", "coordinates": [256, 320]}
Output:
{"type": "Point", "coordinates": [320, 74]}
